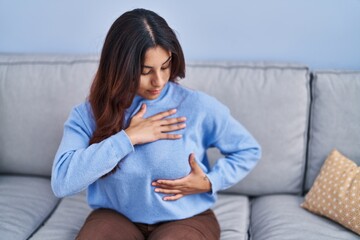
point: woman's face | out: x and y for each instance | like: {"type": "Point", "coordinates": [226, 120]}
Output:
{"type": "Point", "coordinates": [155, 72]}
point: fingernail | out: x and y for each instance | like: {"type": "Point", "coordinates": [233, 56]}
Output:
{"type": "Point", "coordinates": [157, 190]}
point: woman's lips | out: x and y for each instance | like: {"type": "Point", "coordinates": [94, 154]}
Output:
{"type": "Point", "coordinates": [154, 92]}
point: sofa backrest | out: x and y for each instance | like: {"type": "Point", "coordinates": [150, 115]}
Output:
{"type": "Point", "coordinates": [335, 119]}
{"type": "Point", "coordinates": [272, 101]}
{"type": "Point", "coordinates": [36, 96]}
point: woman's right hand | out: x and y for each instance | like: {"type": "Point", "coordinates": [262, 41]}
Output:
{"type": "Point", "coordinates": [143, 130]}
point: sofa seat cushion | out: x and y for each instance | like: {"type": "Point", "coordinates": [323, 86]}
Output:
{"type": "Point", "coordinates": [66, 220]}
{"type": "Point", "coordinates": [25, 203]}
{"type": "Point", "coordinates": [232, 211]}
{"type": "Point", "coordinates": [278, 217]}
{"type": "Point", "coordinates": [233, 214]}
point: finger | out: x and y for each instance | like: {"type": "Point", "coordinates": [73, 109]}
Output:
{"type": "Point", "coordinates": [193, 164]}
{"type": "Point", "coordinates": [168, 187]}
{"type": "Point", "coordinates": [170, 136]}
{"type": "Point", "coordinates": [172, 128]}
{"type": "Point", "coordinates": [192, 161]}
{"type": "Point", "coordinates": [171, 121]}
{"type": "Point", "coordinates": [142, 111]}
{"type": "Point", "coordinates": [167, 191]}
{"type": "Point", "coordinates": [163, 114]}
{"type": "Point", "coordinates": [173, 198]}
{"type": "Point", "coordinates": [169, 183]}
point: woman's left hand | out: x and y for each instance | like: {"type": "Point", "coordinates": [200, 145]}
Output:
{"type": "Point", "coordinates": [195, 182]}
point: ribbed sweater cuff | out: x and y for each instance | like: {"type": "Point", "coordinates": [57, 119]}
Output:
{"type": "Point", "coordinates": [215, 180]}
{"type": "Point", "coordinates": [121, 144]}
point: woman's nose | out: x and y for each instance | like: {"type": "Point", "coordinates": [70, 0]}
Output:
{"type": "Point", "coordinates": [156, 80]}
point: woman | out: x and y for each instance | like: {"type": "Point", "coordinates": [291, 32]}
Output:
{"type": "Point", "coordinates": [138, 145]}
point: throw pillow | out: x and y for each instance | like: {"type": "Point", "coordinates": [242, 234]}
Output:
{"type": "Point", "coordinates": [335, 193]}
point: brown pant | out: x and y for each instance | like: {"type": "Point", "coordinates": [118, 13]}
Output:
{"type": "Point", "coordinates": [109, 224]}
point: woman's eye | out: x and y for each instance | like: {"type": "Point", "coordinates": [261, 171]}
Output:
{"type": "Point", "coordinates": [146, 73]}
{"type": "Point", "coordinates": [150, 71]}
{"type": "Point", "coordinates": [164, 68]}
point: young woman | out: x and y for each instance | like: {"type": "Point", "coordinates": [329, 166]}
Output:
{"type": "Point", "coordinates": [138, 144]}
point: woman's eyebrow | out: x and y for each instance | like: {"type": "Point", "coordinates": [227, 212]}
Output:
{"type": "Point", "coordinates": [144, 66]}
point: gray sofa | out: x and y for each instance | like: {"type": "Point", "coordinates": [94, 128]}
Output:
{"type": "Point", "coordinates": [298, 117]}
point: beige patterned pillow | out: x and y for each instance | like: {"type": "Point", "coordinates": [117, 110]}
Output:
{"type": "Point", "coordinates": [336, 192]}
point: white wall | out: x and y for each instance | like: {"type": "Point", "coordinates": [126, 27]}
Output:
{"type": "Point", "coordinates": [323, 34]}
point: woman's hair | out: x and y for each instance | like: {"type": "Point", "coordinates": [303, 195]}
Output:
{"type": "Point", "coordinates": [117, 78]}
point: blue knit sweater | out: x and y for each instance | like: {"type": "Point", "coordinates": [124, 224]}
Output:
{"type": "Point", "coordinates": [78, 166]}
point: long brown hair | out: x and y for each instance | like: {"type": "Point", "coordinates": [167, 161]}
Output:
{"type": "Point", "coordinates": [118, 75]}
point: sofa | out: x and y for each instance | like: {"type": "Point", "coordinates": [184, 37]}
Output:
{"type": "Point", "coordinates": [297, 115]}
